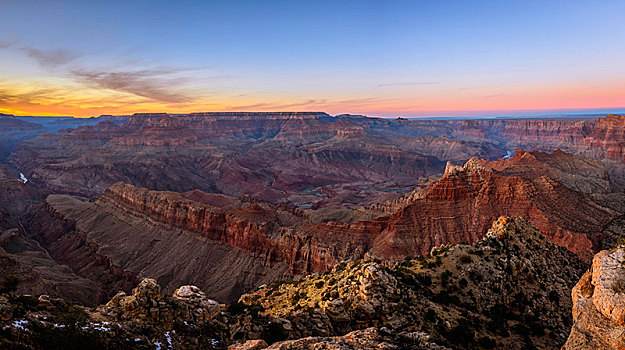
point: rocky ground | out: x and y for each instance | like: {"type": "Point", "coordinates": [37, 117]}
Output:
{"type": "Point", "coordinates": [509, 290]}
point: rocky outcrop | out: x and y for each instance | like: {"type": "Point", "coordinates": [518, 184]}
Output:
{"type": "Point", "coordinates": [147, 307]}
{"type": "Point", "coordinates": [367, 339]}
{"type": "Point", "coordinates": [256, 344]}
{"type": "Point", "coordinates": [194, 304]}
{"type": "Point", "coordinates": [462, 295]}
{"type": "Point", "coordinates": [599, 304]}
{"type": "Point", "coordinates": [506, 291]}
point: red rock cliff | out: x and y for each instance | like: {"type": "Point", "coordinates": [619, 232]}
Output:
{"type": "Point", "coordinates": [254, 228]}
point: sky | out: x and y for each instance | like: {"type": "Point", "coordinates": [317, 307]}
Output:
{"type": "Point", "coordinates": [379, 58]}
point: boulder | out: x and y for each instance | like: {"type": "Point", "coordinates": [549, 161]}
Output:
{"type": "Point", "coordinates": [194, 304]}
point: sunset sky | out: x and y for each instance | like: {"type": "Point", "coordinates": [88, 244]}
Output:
{"type": "Point", "coordinates": [380, 58]}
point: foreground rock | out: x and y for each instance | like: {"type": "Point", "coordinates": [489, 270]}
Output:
{"type": "Point", "coordinates": [148, 308]}
{"type": "Point", "coordinates": [508, 290]}
{"type": "Point", "coordinates": [370, 338]}
{"type": "Point", "coordinates": [599, 304]}
{"type": "Point", "coordinates": [146, 319]}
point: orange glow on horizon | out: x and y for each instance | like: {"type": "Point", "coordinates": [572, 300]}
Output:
{"type": "Point", "coordinates": [80, 103]}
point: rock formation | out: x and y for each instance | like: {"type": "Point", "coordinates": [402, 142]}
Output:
{"type": "Point", "coordinates": [461, 205]}
{"type": "Point", "coordinates": [147, 306]}
{"type": "Point", "coordinates": [215, 241]}
{"type": "Point", "coordinates": [581, 174]}
{"type": "Point", "coordinates": [599, 304]}
{"type": "Point", "coordinates": [464, 296]}
{"type": "Point", "coordinates": [457, 294]}
{"type": "Point", "coordinates": [370, 338]}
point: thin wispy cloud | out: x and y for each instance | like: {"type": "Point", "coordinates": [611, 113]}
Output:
{"type": "Point", "coordinates": [26, 98]}
{"type": "Point", "coordinates": [50, 58]}
{"type": "Point", "coordinates": [412, 83]}
{"type": "Point", "coordinates": [162, 84]}
{"type": "Point", "coordinates": [156, 84]}
{"type": "Point", "coordinates": [9, 97]}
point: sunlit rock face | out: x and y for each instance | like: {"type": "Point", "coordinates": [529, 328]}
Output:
{"type": "Point", "coordinates": [599, 304]}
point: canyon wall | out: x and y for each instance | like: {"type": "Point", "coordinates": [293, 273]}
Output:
{"type": "Point", "coordinates": [273, 156]}
{"type": "Point", "coordinates": [231, 245]}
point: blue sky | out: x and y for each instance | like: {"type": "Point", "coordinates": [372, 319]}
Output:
{"type": "Point", "coordinates": [380, 58]}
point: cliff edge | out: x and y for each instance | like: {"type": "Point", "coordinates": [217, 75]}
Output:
{"type": "Point", "coordinates": [599, 304]}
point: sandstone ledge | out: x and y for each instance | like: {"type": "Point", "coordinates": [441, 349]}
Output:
{"type": "Point", "coordinates": [599, 305]}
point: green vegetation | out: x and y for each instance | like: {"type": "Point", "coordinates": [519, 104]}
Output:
{"type": "Point", "coordinates": [73, 316]}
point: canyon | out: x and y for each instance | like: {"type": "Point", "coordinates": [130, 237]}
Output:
{"type": "Point", "coordinates": [232, 202]}
{"type": "Point", "coordinates": [461, 296]}
{"type": "Point", "coordinates": [228, 245]}
{"type": "Point", "coordinates": [274, 156]}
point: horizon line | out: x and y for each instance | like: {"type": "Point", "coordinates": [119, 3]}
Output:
{"type": "Point", "coordinates": [442, 114]}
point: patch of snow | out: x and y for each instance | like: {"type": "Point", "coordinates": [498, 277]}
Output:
{"type": "Point", "coordinates": [102, 327]}
{"type": "Point", "coordinates": [23, 178]}
{"type": "Point", "coordinates": [168, 336]}
{"type": "Point", "coordinates": [20, 324]}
